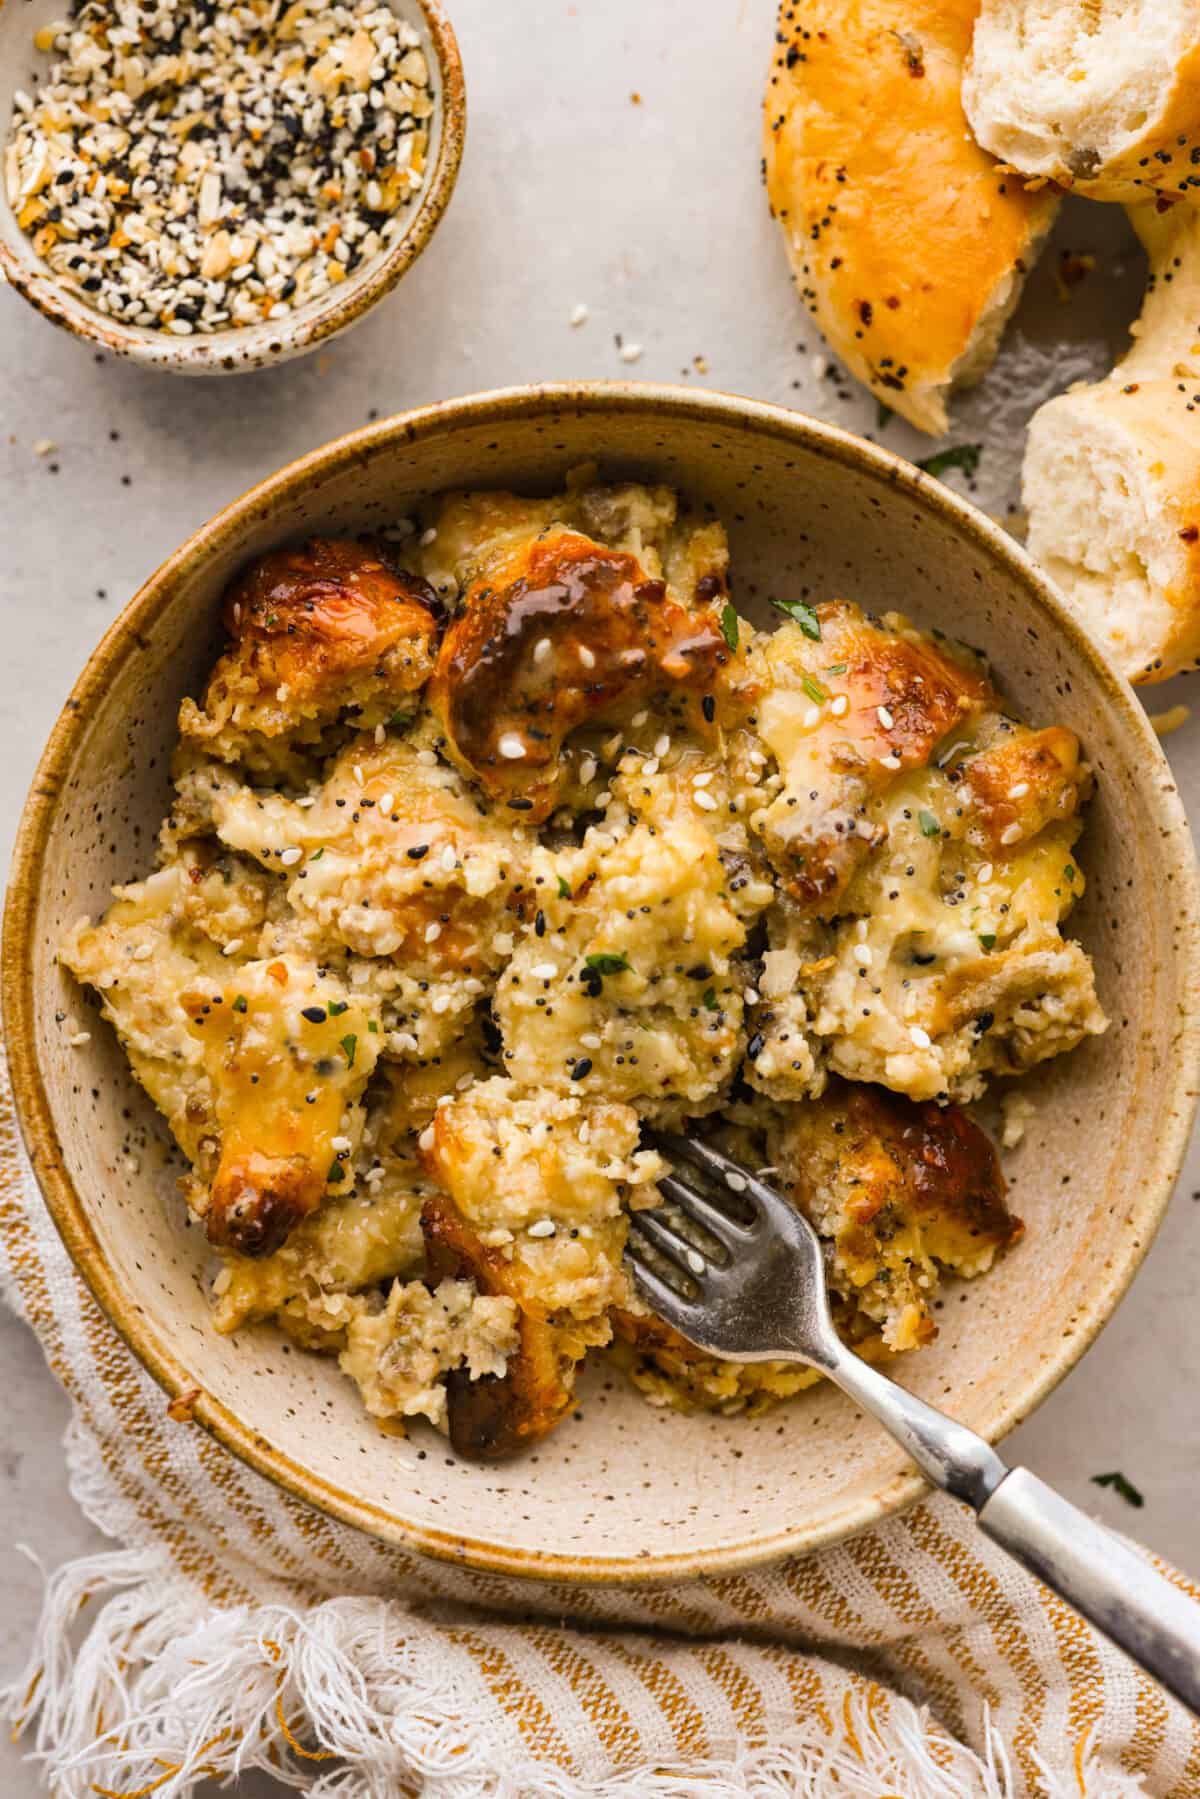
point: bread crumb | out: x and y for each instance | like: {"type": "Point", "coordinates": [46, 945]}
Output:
{"type": "Point", "coordinates": [580, 314]}
{"type": "Point", "coordinates": [1170, 720]}
{"type": "Point", "coordinates": [631, 352]}
{"type": "Point", "coordinates": [1017, 1110]}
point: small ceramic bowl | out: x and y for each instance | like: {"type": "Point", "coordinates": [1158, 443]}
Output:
{"type": "Point", "coordinates": [623, 1492]}
{"type": "Point", "coordinates": [272, 340]}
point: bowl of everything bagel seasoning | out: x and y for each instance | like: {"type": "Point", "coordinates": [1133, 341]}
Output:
{"type": "Point", "coordinates": [214, 185]}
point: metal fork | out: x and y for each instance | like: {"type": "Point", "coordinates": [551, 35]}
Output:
{"type": "Point", "coordinates": [755, 1292]}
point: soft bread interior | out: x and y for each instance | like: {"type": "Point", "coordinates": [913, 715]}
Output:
{"type": "Point", "coordinates": [1096, 524]}
{"type": "Point", "coordinates": [1053, 84]}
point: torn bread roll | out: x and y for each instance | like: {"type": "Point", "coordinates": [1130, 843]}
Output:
{"type": "Point", "coordinates": [908, 244]}
{"type": "Point", "coordinates": [1111, 479]}
{"type": "Point", "coordinates": [1100, 95]}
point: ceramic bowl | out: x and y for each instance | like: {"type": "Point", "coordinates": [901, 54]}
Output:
{"type": "Point", "coordinates": [623, 1492]}
{"type": "Point", "coordinates": [273, 340]}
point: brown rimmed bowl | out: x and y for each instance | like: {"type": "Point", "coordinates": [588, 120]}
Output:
{"type": "Point", "coordinates": [623, 1492]}
{"type": "Point", "coordinates": [273, 340]}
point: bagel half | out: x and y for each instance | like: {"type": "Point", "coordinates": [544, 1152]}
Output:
{"type": "Point", "coordinates": [908, 243]}
{"type": "Point", "coordinates": [1099, 95]}
{"type": "Point", "coordinates": [1111, 479]}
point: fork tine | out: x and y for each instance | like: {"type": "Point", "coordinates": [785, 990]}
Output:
{"type": "Point", "coordinates": [668, 1242]}
{"type": "Point", "coordinates": [723, 1169]}
{"type": "Point", "coordinates": [728, 1231]}
{"type": "Point", "coordinates": [661, 1296]}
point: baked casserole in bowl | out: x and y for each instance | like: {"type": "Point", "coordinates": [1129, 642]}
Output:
{"type": "Point", "coordinates": [535, 768]}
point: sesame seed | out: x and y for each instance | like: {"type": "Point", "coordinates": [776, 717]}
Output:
{"type": "Point", "coordinates": [545, 1227]}
{"type": "Point", "coordinates": [585, 656]}
{"type": "Point", "coordinates": [811, 717]}
{"type": "Point", "coordinates": [542, 649]}
{"type": "Point", "coordinates": [702, 780]}
{"type": "Point", "coordinates": [1019, 791]}
{"type": "Point", "coordinates": [449, 858]}
{"type": "Point", "coordinates": [357, 772]}
{"type": "Point", "coordinates": [544, 971]}
{"type": "Point", "coordinates": [985, 873]}
{"type": "Point", "coordinates": [695, 1261]}
{"type": "Point", "coordinates": [705, 801]}
{"type": "Point", "coordinates": [839, 706]}
{"type": "Point", "coordinates": [342, 1146]}
{"type": "Point", "coordinates": [639, 719]}
{"type": "Point", "coordinates": [921, 1039]}
{"type": "Point", "coordinates": [386, 801]}
{"type": "Point", "coordinates": [661, 745]}
{"type": "Point", "coordinates": [1010, 834]}
{"type": "Point", "coordinates": [427, 758]}
{"type": "Point", "coordinates": [425, 1140]}
{"type": "Point", "coordinates": [429, 536]}
{"type": "Point", "coordinates": [232, 947]}
{"type": "Point", "coordinates": [380, 735]}
{"type": "Point", "coordinates": [751, 996]}
{"type": "Point", "coordinates": [862, 955]}
{"type": "Point", "coordinates": [441, 1003]}
{"type": "Point", "coordinates": [734, 1181]}
{"type": "Point", "coordinates": [291, 856]}
{"type": "Point", "coordinates": [885, 718]}
{"type": "Point", "coordinates": [587, 770]}
{"type": "Point", "coordinates": [511, 747]}
{"type": "Point", "coordinates": [590, 1040]}
{"type": "Point", "coordinates": [892, 762]}
{"type": "Point", "coordinates": [79, 1039]}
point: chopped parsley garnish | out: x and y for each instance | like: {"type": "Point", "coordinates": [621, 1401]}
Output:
{"type": "Point", "coordinates": [400, 718]}
{"type": "Point", "coordinates": [803, 614]}
{"type": "Point", "coordinates": [963, 456]}
{"type": "Point", "coordinates": [709, 998]}
{"type": "Point", "coordinates": [317, 854]}
{"type": "Point", "coordinates": [837, 668]}
{"type": "Point", "coordinates": [928, 823]}
{"type": "Point", "coordinates": [607, 962]}
{"type": "Point", "coordinates": [883, 414]}
{"type": "Point", "coordinates": [239, 1004]}
{"type": "Point", "coordinates": [1068, 873]}
{"type": "Point", "coordinates": [564, 888]}
{"type": "Point", "coordinates": [373, 1027]}
{"type": "Point", "coordinates": [814, 690]}
{"type": "Point", "coordinates": [337, 1007]}
{"type": "Point", "coordinates": [729, 625]}
{"type": "Point", "coordinates": [337, 1172]}
{"type": "Point", "coordinates": [350, 1044]}
{"type": "Point", "coordinates": [988, 939]}
{"type": "Point", "coordinates": [1121, 1486]}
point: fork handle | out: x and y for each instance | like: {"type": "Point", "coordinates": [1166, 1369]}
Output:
{"type": "Point", "coordinates": [1138, 1609]}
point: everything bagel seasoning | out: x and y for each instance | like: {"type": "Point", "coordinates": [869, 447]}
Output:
{"type": "Point", "coordinates": [196, 167]}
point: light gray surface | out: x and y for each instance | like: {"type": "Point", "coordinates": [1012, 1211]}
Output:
{"type": "Point", "coordinates": [652, 215]}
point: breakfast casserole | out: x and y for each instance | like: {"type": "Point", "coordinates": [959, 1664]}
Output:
{"type": "Point", "coordinates": [502, 842]}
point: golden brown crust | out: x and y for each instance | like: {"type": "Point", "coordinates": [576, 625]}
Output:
{"type": "Point", "coordinates": [315, 628]}
{"type": "Point", "coordinates": [1021, 784]}
{"type": "Point", "coordinates": [283, 1069]}
{"type": "Point", "coordinates": [499, 1415]}
{"type": "Point", "coordinates": [902, 696]}
{"type": "Point", "coordinates": [889, 1166]}
{"type": "Point", "coordinates": [558, 632]}
{"type": "Point", "coordinates": [903, 233]}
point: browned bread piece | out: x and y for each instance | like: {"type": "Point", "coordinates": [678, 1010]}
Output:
{"type": "Point", "coordinates": [908, 243]}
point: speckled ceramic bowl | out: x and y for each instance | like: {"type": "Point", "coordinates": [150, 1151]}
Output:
{"type": "Point", "coordinates": [274, 340]}
{"type": "Point", "coordinates": [623, 1492]}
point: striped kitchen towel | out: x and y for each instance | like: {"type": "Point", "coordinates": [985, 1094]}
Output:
{"type": "Point", "coordinates": [230, 1627]}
